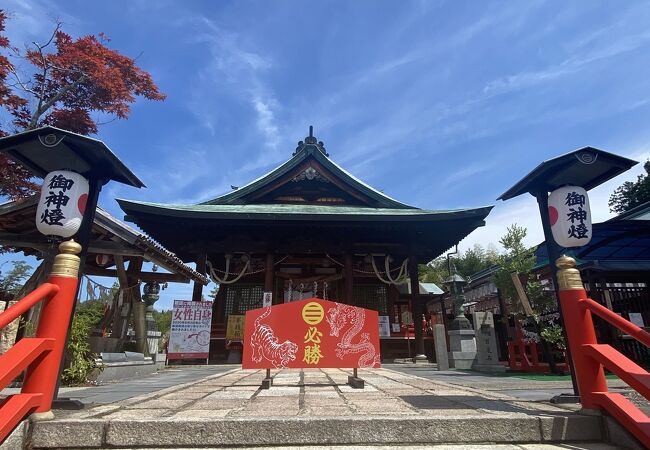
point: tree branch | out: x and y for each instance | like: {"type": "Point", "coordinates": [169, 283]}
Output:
{"type": "Point", "coordinates": [43, 108]}
{"type": "Point", "coordinates": [40, 108]}
{"type": "Point", "coordinates": [20, 83]}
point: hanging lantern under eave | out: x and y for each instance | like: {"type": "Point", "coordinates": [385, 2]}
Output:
{"type": "Point", "coordinates": [62, 203]}
{"type": "Point", "coordinates": [103, 259]}
{"type": "Point", "coordinates": [570, 216]}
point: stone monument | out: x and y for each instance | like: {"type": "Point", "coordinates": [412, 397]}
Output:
{"type": "Point", "coordinates": [486, 344]}
{"type": "Point", "coordinates": [462, 343]}
{"type": "Point", "coordinates": [440, 343]}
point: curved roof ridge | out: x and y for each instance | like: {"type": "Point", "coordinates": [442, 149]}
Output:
{"type": "Point", "coordinates": [307, 151]}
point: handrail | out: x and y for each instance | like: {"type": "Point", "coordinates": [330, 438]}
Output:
{"type": "Point", "coordinates": [42, 354]}
{"type": "Point", "coordinates": [590, 357]}
{"type": "Point", "coordinates": [614, 319]}
{"type": "Point", "coordinates": [43, 292]}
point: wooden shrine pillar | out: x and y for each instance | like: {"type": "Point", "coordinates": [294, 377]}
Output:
{"type": "Point", "coordinates": [416, 308]}
{"type": "Point", "coordinates": [138, 306]}
{"type": "Point", "coordinates": [348, 276]}
{"type": "Point", "coordinates": [197, 292]}
{"type": "Point", "coordinates": [269, 276]}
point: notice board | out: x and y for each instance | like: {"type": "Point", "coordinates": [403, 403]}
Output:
{"type": "Point", "coordinates": [190, 330]}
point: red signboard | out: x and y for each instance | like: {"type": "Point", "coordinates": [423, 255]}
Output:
{"type": "Point", "coordinates": [311, 333]}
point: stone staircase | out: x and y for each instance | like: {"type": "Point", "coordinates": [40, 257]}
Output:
{"type": "Point", "coordinates": [308, 431]}
{"type": "Point", "coordinates": [316, 409]}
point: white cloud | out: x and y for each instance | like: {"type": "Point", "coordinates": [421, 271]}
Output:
{"type": "Point", "coordinates": [233, 70]}
{"type": "Point", "coordinates": [572, 64]}
{"type": "Point", "coordinates": [266, 122]}
{"type": "Point", "coordinates": [33, 20]}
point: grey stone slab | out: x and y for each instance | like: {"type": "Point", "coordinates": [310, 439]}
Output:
{"type": "Point", "coordinates": [619, 435]}
{"type": "Point", "coordinates": [340, 411]}
{"type": "Point", "coordinates": [572, 428]}
{"type": "Point", "coordinates": [68, 433]}
{"type": "Point", "coordinates": [15, 440]}
{"type": "Point", "coordinates": [279, 391]}
{"type": "Point", "coordinates": [112, 357]}
{"type": "Point", "coordinates": [183, 395]}
{"type": "Point", "coordinates": [440, 342]}
{"type": "Point", "coordinates": [201, 413]}
{"type": "Point", "coordinates": [572, 446]}
{"type": "Point", "coordinates": [229, 394]}
{"type": "Point", "coordinates": [166, 379]}
{"type": "Point", "coordinates": [134, 356]}
{"type": "Point", "coordinates": [217, 404]}
{"type": "Point", "coordinates": [322, 394]}
{"type": "Point", "coordinates": [160, 404]}
{"type": "Point", "coordinates": [136, 414]}
{"type": "Point", "coordinates": [486, 343]}
{"type": "Point", "coordinates": [297, 431]}
{"type": "Point", "coordinates": [267, 413]}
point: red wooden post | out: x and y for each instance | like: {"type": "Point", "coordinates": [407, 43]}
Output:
{"type": "Point", "coordinates": [42, 376]}
{"type": "Point", "coordinates": [580, 331]}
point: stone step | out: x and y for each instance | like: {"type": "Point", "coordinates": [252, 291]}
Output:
{"type": "Point", "coordinates": [537, 446]}
{"type": "Point", "coordinates": [315, 431]}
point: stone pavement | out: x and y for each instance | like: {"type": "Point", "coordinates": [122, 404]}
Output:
{"type": "Point", "coordinates": [124, 389]}
{"type": "Point", "coordinates": [314, 407]}
{"type": "Point", "coordinates": [521, 387]}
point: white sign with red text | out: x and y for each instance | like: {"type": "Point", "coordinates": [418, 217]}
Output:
{"type": "Point", "coordinates": [190, 330]}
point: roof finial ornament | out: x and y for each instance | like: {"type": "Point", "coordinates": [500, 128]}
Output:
{"type": "Point", "coordinates": [311, 141]}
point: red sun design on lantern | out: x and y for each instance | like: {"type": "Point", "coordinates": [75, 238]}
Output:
{"type": "Point", "coordinates": [552, 215]}
{"type": "Point", "coordinates": [81, 203]}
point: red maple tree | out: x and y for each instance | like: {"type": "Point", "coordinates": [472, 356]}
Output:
{"type": "Point", "coordinates": [67, 80]}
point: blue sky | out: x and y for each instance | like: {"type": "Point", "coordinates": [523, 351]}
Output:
{"type": "Point", "coordinates": [440, 104]}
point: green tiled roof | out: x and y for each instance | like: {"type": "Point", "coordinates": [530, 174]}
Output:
{"type": "Point", "coordinates": [308, 151]}
{"type": "Point", "coordinates": [294, 212]}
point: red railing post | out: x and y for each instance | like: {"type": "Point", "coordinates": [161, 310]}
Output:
{"type": "Point", "coordinates": [42, 376]}
{"type": "Point", "coordinates": [580, 331]}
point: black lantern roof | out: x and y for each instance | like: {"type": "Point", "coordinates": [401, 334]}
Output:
{"type": "Point", "coordinates": [587, 167]}
{"type": "Point", "coordinates": [48, 148]}
{"type": "Point", "coordinates": [454, 278]}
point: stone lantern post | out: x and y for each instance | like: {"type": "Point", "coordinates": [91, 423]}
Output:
{"type": "Point", "coordinates": [462, 340]}
{"type": "Point", "coordinates": [151, 294]}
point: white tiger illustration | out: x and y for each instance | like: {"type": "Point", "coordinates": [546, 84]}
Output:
{"type": "Point", "coordinates": [265, 345]}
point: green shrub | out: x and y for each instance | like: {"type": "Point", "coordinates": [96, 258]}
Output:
{"type": "Point", "coordinates": [80, 360]}
{"type": "Point", "coordinates": [552, 333]}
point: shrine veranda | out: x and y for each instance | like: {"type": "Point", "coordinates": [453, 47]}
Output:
{"type": "Point", "coordinates": [310, 229]}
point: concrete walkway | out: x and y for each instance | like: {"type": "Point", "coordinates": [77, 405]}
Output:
{"type": "Point", "coordinates": [520, 387]}
{"type": "Point", "coordinates": [125, 389]}
{"type": "Point", "coordinates": [314, 407]}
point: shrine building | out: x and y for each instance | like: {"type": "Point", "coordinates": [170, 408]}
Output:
{"type": "Point", "coordinates": [310, 229]}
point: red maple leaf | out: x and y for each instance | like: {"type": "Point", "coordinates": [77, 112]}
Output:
{"type": "Point", "coordinates": [72, 78]}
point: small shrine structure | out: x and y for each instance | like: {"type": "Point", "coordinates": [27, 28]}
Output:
{"type": "Point", "coordinates": [309, 229]}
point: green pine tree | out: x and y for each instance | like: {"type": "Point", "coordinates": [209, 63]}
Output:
{"type": "Point", "coordinates": [631, 193]}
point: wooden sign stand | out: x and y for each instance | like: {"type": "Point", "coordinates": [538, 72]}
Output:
{"type": "Point", "coordinates": [268, 381]}
{"type": "Point", "coordinates": [354, 381]}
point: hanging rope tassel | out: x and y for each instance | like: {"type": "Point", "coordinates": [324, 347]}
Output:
{"type": "Point", "coordinates": [215, 277]}
{"type": "Point", "coordinates": [400, 279]}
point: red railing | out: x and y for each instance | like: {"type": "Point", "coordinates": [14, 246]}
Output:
{"type": "Point", "coordinates": [590, 358]}
{"type": "Point", "coordinates": [41, 355]}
